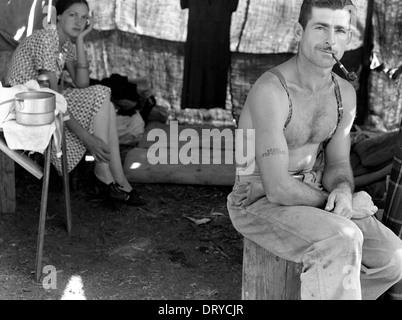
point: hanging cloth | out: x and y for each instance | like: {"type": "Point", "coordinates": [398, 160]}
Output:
{"type": "Point", "coordinates": [207, 53]}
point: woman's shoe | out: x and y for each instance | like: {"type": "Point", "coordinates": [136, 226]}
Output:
{"type": "Point", "coordinates": [131, 198]}
{"type": "Point", "coordinates": [110, 190]}
{"type": "Point", "coordinates": [116, 194]}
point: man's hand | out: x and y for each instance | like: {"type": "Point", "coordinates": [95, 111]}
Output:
{"type": "Point", "coordinates": [340, 202]}
{"type": "Point", "coordinates": [363, 205]}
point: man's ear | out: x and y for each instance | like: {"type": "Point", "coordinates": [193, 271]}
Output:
{"type": "Point", "coordinates": [298, 31]}
{"type": "Point", "coordinates": [350, 34]}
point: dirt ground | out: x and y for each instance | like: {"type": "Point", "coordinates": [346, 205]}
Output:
{"type": "Point", "coordinates": [180, 246]}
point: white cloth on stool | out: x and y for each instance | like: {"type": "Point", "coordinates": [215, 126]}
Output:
{"type": "Point", "coordinates": [32, 138]}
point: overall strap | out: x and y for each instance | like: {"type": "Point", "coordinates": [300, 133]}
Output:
{"type": "Point", "coordinates": [338, 97]}
{"type": "Point", "coordinates": [284, 85]}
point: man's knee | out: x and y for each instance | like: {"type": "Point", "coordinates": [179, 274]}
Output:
{"type": "Point", "coordinates": [348, 238]}
{"type": "Point", "coordinates": [350, 232]}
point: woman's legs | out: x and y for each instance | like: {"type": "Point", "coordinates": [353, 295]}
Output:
{"type": "Point", "coordinates": [101, 130]}
{"type": "Point", "coordinates": [105, 128]}
{"type": "Point", "coordinates": [115, 159]}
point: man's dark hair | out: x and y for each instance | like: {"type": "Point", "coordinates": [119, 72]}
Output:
{"type": "Point", "coordinates": [63, 5]}
{"type": "Point", "coordinates": [308, 5]}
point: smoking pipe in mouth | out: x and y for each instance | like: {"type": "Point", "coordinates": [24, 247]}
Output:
{"type": "Point", "coordinates": [351, 76]}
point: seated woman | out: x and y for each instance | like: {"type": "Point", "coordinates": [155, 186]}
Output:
{"type": "Point", "coordinates": [92, 124]}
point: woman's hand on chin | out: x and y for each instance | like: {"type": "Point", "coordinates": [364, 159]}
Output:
{"type": "Point", "coordinates": [87, 29]}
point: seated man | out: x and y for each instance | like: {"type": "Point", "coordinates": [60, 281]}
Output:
{"type": "Point", "coordinates": [285, 199]}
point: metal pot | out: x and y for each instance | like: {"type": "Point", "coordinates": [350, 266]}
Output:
{"type": "Point", "coordinates": [35, 108]}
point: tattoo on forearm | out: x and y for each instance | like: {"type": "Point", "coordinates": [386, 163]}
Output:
{"type": "Point", "coordinates": [273, 152]}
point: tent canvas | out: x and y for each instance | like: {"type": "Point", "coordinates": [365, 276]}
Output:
{"type": "Point", "coordinates": [139, 38]}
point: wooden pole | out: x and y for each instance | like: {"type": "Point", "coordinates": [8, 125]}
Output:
{"type": "Point", "coordinates": [49, 12]}
{"type": "Point", "coordinates": [7, 184]}
{"type": "Point", "coordinates": [66, 184]}
{"type": "Point", "coordinates": [42, 215]}
{"type": "Point", "coordinates": [22, 159]}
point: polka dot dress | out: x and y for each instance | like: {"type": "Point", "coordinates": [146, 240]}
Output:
{"type": "Point", "coordinates": [40, 51]}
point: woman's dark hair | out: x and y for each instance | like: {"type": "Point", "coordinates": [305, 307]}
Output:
{"type": "Point", "coordinates": [308, 5]}
{"type": "Point", "coordinates": [63, 5]}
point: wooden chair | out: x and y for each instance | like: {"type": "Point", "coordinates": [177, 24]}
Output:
{"type": "Point", "coordinates": [7, 190]}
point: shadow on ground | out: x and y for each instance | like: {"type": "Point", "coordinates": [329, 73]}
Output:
{"type": "Point", "coordinates": [180, 246]}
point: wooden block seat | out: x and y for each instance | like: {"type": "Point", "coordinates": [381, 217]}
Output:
{"type": "Point", "coordinates": [268, 277]}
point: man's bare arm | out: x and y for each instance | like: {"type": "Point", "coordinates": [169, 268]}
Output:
{"type": "Point", "coordinates": [288, 191]}
{"type": "Point", "coordinates": [272, 154]}
{"type": "Point", "coordinates": [338, 177]}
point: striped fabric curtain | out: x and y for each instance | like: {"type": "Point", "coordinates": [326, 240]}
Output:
{"type": "Point", "coordinates": [392, 217]}
{"type": "Point", "coordinates": [388, 43]}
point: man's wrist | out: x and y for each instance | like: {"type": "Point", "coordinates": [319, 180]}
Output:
{"type": "Point", "coordinates": [346, 186]}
